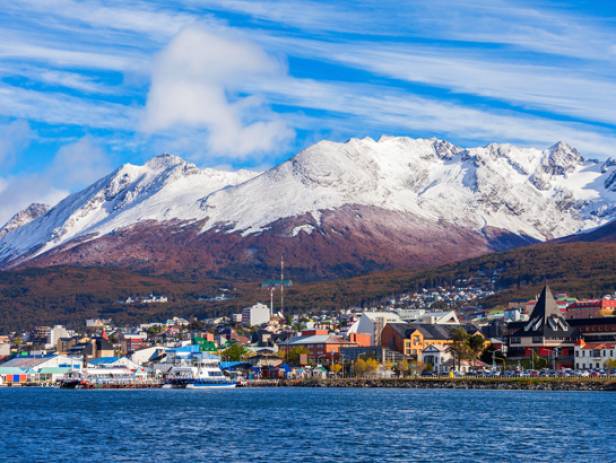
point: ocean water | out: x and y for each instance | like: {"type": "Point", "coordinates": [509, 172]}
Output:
{"type": "Point", "coordinates": [306, 425]}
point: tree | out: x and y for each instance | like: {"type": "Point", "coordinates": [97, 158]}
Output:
{"type": "Point", "coordinates": [335, 368]}
{"type": "Point", "coordinates": [372, 365]}
{"type": "Point", "coordinates": [460, 348]}
{"type": "Point", "coordinates": [234, 352]}
{"type": "Point", "coordinates": [611, 363]}
{"type": "Point", "coordinates": [293, 355]}
{"type": "Point", "coordinates": [476, 344]}
{"type": "Point", "coordinates": [404, 367]}
{"type": "Point", "coordinates": [360, 367]}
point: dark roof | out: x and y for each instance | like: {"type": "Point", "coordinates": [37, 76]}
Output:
{"type": "Point", "coordinates": [431, 331]}
{"type": "Point", "coordinates": [545, 319]}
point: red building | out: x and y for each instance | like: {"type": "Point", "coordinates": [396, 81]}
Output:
{"type": "Point", "coordinates": [593, 308]}
{"type": "Point", "coordinates": [322, 346]}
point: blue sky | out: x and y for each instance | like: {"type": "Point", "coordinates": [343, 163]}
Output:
{"type": "Point", "coordinates": [86, 86]}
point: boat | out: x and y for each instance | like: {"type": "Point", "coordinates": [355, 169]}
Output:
{"type": "Point", "coordinates": [197, 370]}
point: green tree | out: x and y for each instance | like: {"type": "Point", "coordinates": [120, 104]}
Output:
{"type": "Point", "coordinates": [234, 352]}
{"type": "Point", "coordinates": [292, 356]}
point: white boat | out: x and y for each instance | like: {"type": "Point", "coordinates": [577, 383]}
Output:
{"type": "Point", "coordinates": [196, 370]}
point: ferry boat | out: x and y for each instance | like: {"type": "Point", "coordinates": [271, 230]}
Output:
{"type": "Point", "coordinates": [196, 370]}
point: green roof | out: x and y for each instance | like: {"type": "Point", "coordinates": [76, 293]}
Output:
{"type": "Point", "coordinates": [12, 371]}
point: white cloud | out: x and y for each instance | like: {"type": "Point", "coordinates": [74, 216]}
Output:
{"type": "Point", "coordinates": [74, 166]}
{"type": "Point", "coordinates": [59, 108]}
{"type": "Point", "coordinates": [14, 137]}
{"type": "Point", "coordinates": [198, 82]}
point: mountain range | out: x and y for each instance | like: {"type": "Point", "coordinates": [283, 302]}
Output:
{"type": "Point", "coordinates": [335, 209]}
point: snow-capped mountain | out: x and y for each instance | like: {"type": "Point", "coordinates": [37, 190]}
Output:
{"type": "Point", "coordinates": [27, 215]}
{"type": "Point", "coordinates": [333, 208]}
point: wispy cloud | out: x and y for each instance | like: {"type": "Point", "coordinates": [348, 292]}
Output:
{"type": "Point", "coordinates": [233, 81]}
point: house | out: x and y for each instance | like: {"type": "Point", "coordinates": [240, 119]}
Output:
{"type": "Point", "coordinates": [257, 314]}
{"type": "Point", "coordinates": [437, 356]}
{"type": "Point", "coordinates": [546, 333]}
{"type": "Point", "coordinates": [372, 324]}
{"type": "Point", "coordinates": [322, 346]}
{"type": "Point", "coordinates": [411, 339]}
{"type": "Point", "coordinates": [593, 354]}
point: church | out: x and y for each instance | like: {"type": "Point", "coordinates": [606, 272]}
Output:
{"type": "Point", "coordinates": [546, 333]}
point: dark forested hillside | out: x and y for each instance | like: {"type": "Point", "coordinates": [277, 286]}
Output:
{"type": "Point", "coordinates": [72, 294]}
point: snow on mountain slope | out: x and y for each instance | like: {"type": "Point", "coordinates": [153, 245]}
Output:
{"type": "Point", "coordinates": [33, 211]}
{"type": "Point", "coordinates": [165, 188]}
{"type": "Point", "coordinates": [542, 194]}
{"type": "Point", "coordinates": [492, 194]}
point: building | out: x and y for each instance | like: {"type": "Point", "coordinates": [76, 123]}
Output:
{"type": "Point", "coordinates": [134, 342]}
{"type": "Point", "coordinates": [594, 354]}
{"type": "Point", "coordinates": [438, 357]}
{"type": "Point", "coordinates": [593, 308]}
{"type": "Point", "coordinates": [411, 339]}
{"type": "Point", "coordinates": [448, 317]}
{"type": "Point", "coordinates": [257, 314]}
{"type": "Point", "coordinates": [5, 349]}
{"type": "Point", "coordinates": [54, 336]}
{"type": "Point", "coordinates": [547, 333]}
{"type": "Point", "coordinates": [322, 346]}
{"type": "Point", "coordinates": [372, 324]}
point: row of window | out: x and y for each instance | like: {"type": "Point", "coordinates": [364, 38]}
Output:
{"type": "Point", "coordinates": [595, 353]}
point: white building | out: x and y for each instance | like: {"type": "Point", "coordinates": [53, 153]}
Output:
{"type": "Point", "coordinates": [55, 334]}
{"type": "Point", "coordinates": [257, 314]}
{"type": "Point", "coordinates": [594, 355]}
{"type": "Point", "coordinates": [438, 357]}
{"type": "Point", "coordinates": [372, 324]}
{"type": "Point", "coordinates": [5, 349]}
{"type": "Point", "coordinates": [440, 318]}
{"type": "Point", "coordinates": [410, 315]}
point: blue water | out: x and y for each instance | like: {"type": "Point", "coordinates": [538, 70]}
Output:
{"type": "Point", "coordinates": [296, 424]}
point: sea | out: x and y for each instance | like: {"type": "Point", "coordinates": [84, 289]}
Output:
{"type": "Point", "coordinates": [306, 425]}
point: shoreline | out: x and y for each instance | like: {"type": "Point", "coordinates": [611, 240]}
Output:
{"type": "Point", "coordinates": [536, 384]}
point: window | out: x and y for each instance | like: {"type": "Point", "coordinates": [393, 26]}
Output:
{"type": "Point", "coordinates": [577, 353]}
{"type": "Point", "coordinates": [538, 339]}
{"type": "Point", "coordinates": [515, 340]}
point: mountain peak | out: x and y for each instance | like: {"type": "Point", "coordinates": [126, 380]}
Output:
{"type": "Point", "coordinates": [562, 159]}
{"type": "Point", "coordinates": [165, 161]}
{"type": "Point", "coordinates": [23, 217]}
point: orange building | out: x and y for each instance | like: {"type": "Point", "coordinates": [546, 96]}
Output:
{"type": "Point", "coordinates": [322, 346]}
{"type": "Point", "coordinates": [411, 339]}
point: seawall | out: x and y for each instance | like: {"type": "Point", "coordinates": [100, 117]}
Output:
{"type": "Point", "coordinates": [539, 384]}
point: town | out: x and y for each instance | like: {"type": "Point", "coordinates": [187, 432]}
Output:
{"type": "Point", "coordinates": [550, 335]}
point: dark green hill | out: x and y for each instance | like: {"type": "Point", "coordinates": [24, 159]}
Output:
{"type": "Point", "coordinates": [71, 294]}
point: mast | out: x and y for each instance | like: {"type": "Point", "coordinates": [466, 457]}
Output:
{"type": "Point", "coordinates": [281, 285]}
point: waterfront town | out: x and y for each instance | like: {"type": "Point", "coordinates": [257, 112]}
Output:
{"type": "Point", "coordinates": [554, 334]}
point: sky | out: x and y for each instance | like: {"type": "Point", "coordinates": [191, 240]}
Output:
{"type": "Point", "coordinates": [86, 86]}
